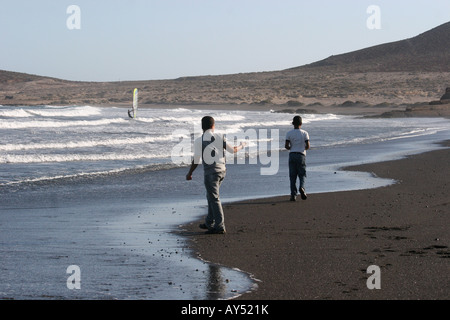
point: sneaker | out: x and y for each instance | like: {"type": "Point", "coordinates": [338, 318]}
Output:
{"type": "Point", "coordinates": [203, 226]}
{"type": "Point", "coordinates": [293, 198]}
{"type": "Point", "coordinates": [215, 231]}
{"type": "Point", "coordinates": [303, 194]}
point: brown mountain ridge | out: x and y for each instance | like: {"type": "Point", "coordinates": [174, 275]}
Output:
{"type": "Point", "coordinates": [427, 52]}
{"type": "Point", "coordinates": [410, 71]}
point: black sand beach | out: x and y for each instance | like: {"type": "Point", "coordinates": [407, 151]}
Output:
{"type": "Point", "coordinates": [321, 248]}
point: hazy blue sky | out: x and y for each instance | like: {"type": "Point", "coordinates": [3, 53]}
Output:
{"type": "Point", "coordinates": [165, 39]}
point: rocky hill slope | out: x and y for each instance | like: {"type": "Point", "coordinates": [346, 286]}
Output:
{"type": "Point", "coordinates": [410, 71]}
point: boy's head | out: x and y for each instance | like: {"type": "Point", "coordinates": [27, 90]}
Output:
{"type": "Point", "coordinates": [297, 121]}
{"type": "Point", "coordinates": [207, 123]}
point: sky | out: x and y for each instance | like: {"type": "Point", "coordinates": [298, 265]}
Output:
{"type": "Point", "coordinates": [118, 40]}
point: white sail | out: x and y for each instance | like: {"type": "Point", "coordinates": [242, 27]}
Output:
{"type": "Point", "coordinates": [135, 103]}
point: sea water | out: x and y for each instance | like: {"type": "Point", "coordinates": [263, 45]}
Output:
{"type": "Point", "coordinates": [87, 186]}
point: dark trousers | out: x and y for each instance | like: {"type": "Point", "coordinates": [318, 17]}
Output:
{"type": "Point", "coordinates": [297, 169]}
{"type": "Point", "coordinates": [215, 217]}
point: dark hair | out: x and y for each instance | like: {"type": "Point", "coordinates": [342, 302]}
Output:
{"type": "Point", "coordinates": [297, 121]}
{"type": "Point", "coordinates": [207, 123]}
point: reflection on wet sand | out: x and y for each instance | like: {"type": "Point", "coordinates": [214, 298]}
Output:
{"type": "Point", "coordinates": [215, 287]}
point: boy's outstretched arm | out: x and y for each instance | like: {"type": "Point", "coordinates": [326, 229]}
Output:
{"type": "Point", "coordinates": [191, 170]}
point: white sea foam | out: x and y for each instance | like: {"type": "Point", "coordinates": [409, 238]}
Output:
{"type": "Point", "coordinates": [57, 123]}
{"type": "Point", "coordinates": [50, 111]}
{"type": "Point", "coordinates": [83, 144]}
{"type": "Point", "coordinates": [84, 111]}
{"type": "Point", "coordinates": [46, 141]}
{"type": "Point", "coordinates": [269, 123]}
{"type": "Point", "coordinates": [40, 158]}
{"type": "Point", "coordinates": [147, 120]}
{"type": "Point", "coordinates": [18, 113]}
{"type": "Point", "coordinates": [414, 133]}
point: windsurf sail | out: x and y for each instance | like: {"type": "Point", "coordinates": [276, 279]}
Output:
{"type": "Point", "coordinates": [135, 102]}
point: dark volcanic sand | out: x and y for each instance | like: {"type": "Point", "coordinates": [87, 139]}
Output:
{"type": "Point", "coordinates": [321, 248]}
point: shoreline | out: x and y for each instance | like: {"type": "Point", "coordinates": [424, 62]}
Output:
{"type": "Point", "coordinates": [347, 108]}
{"type": "Point", "coordinates": [324, 251]}
{"type": "Point", "coordinates": [381, 110]}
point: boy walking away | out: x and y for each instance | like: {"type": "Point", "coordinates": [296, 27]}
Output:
{"type": "Point", "coordinates": [210, 149]}
{"type": "Point", "coordinates": [297, 142]}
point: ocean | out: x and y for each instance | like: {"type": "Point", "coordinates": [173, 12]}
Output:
{"type": "Point", "coordinates": [89, 187]}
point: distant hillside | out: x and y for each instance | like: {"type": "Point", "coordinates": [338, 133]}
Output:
{"type": "Point", "coordinates": [427, 52]}
{"type": "Point", "coordinates": [9, 77]}
{"type": "Point", "coordinates": [407, 71]}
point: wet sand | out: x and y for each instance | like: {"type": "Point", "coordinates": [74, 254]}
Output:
{"type": "Point", "coordinates": [321, 248]}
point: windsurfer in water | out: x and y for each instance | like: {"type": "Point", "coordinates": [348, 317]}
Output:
{"type": "Point", "coordinates": [132, 112]}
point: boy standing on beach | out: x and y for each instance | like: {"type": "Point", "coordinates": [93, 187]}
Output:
{"type": "Point", "coordinates": [297, 142]}
{"type": "Point", "coordinates": [210, 148]}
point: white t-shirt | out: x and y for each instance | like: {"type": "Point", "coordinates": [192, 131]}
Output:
{"type": "Point", "coordinates": [298, 138]}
